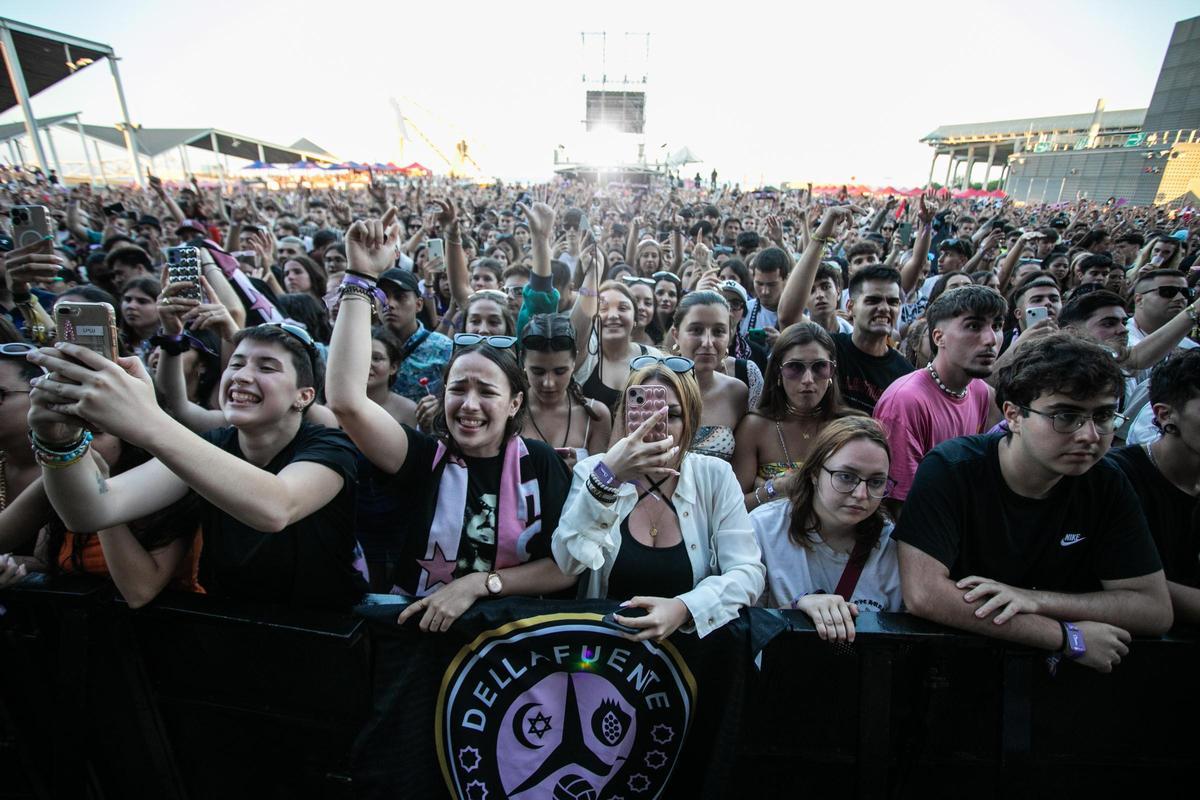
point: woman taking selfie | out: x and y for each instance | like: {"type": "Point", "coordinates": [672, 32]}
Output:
{"type": "Point", "coordinates": [800, 398]}
{"type": "Point", "coordinates": [828, 548]}
{"type": "Point", "coordinates": [479, 501]}
{"type": "Point", "coordinates": [277, 491]}
{"type": "Point", "coordinates": [559, 414]}
{"type": "Point", "coordinates": [660, 527]}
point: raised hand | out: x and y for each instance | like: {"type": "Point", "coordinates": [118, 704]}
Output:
{"type": "Point", "coordinates": [540, 218]}
{"type": "Point", "coordinates": [373, 244]}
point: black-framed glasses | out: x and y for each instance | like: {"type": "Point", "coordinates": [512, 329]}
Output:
{"type": "Point", "coordinates": [498, 342]}
{"type": "Point", "coordinates": [16, 349]}
{"type": "Point", "coordinates": [677, 364]}
{"type": "Point", "coordinates": [548, 344]}
{"type": "Point", "coordinates": [632, 279]}
{"type": "Point", "coordinates": [846, 482]}
{"type": "Point", "coordinates": [1105, 421]}
{"type": "Point", "coordinates": [822, 369]}
{"type": "Point", "coordinates": [1169, 292]}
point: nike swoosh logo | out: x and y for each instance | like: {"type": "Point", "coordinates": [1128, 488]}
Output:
{"type": "Point", "coordinates": [1068, 542]}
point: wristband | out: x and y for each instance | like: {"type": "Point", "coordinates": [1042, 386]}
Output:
{"type": "Point", "coordinates": [171, 345]}
{"type": "Point", "coordinates": [769, 487]}
{"type": "Point", "coordinates": [586, 292]}
{"type": "Point", "coordinates": [366, 285]}
{"type": "Point", "coordinates": [368, 278]}
{"type": "Point", "coordinates": [605, 477]}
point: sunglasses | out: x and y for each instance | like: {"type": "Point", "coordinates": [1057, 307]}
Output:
{"type": "Point", "coordinates": [630, 279]}
{"type": "Point", "coordinates": [1169, 292]}
{"type": "Point", "coordinates": [498, 342]}
{"type": "Point", "coordinates": [666, 276]}
{"type": "Point", "coordinates": [822, 369]}
{"type": "Point", "coordinates": [677, 364]}
{"type": "Point", "coordinates": [296, 332]}
{"type": "Point", "coordinates": [16, 349]}
{"type": "Point", "coordinates": [544, 344]}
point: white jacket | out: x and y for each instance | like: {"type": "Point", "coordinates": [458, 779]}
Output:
{"type": "Point", "coordinates": [727, 569]}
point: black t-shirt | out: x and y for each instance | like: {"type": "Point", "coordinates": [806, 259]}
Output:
{"type": "Point", "coordinates": [308, 563]}
{"type": "Point", "coordinates": [862, 377]}
{"type": "Point", "coordinates": [1172, 514]}
{"type": "Point", "coordinates": [417, 484]}
{"type": "Point", "coordinates": [962, 512]}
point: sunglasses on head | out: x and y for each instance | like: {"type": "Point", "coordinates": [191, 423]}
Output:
{"type": "Point", "coordinates": [554, 343]}
{"type": "Point", "coordinates": [488, 294]}
{"type": "Point", "coordinates": [666, 276]}
{"type": "Point", "coordinates": [634, 279]}
{"type": "Point", "coordinates": [822, 369]}
{"type": "Point", "coordinates": [677, 364]}
{"type": "Point", "coordinates": [498, 342]}
{"type": "Point", "coordinates": [296, 331]}
{"type": "Point", "coordinates": [1169, 292]}
{"type": "Point", "coordinates": [16, 349]}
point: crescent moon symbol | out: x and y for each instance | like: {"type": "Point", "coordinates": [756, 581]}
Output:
{"type": "Point", "coordinates": [518, 719]}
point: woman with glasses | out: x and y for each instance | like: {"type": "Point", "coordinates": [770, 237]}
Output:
{"type": "Point", "coordinates": [479, 501]}
{"type": "Point", "coordinates": [701, 333]}
{"type": "Point", "coordinates": [660, 527]}
{"type": "Point", "coordinates": [559, 414]}
{"type": "Point", "coordinates": [828, 548]}
{"type": "Point", "coordinates": [800, 398]}
{"type": "Point", "coordinates": [277, 491]}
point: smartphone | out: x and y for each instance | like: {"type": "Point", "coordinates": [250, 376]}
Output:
{"type": "Point", "coordinates": [1035, 314]}
{"type": "Point", "coordinates": [183, 266]}
{"type": "Point", "coordinates": [757, 335]}
{"type": "Point", "coordinates": [610, 619]}
{"type": "Point", "coordinates": [641, 402]}
{"type": "Point", "coordinates": [31, 224]}
{"type": "Point", "coordinates": [114, 209]}
{"type": "Point", "coordinates": [436, 248]}
{"type": "Point", "coordinates": [90, 325]}
{"type": "Point", "coordinates": [905, 230]}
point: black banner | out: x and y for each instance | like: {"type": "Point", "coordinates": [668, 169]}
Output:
{"type": "Point", "coordinates": [529, 699]}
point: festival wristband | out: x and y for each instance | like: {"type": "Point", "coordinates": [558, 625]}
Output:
{"type": "Point", "coordinates": [605, 477]}
{"type": "Point", "coordinates": [369, 286]}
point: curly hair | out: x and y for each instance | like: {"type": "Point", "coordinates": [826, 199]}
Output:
{"type": "Point", "coordinates": [1063, 362]}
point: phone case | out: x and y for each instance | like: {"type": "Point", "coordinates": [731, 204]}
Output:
{"type": "Point", "coordinates": [31, 224]}
{"type": "Point", "coordinates": [183, 266]}
{"type": "Point", "coordinates": [640, 404]}
{"type": "Point", "coordinates": [90, 325]}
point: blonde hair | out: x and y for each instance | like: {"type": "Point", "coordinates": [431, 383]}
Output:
{"type": "Point", "coordinates": [685, 388]}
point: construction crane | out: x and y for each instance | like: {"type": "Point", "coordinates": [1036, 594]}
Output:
{"type": "Point", "coordinates": [457, 166]}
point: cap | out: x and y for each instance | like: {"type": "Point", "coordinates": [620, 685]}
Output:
{"type": "Point", "coordinates": [296, 240]}
{"type": "Point", "coordinates": [402, 279]}
{"type": "Point", "coordinates": [147, 219]}
{"type": "Point", "coordinates": [192, 225]}
{"type": "Point", "coordinates": [736, 288]}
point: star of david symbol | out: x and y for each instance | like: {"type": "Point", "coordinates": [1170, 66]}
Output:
{"type": "Point", "coordinates": [439, 568]}
{"type": "Point", "coordinates": [540, 725]}
{"type": "Point", "coordinates": [662, 733]}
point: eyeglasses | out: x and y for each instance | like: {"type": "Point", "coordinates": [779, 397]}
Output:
{"type": "Point", "coordinates": [1169, 292]}
{"type": "Point", "coordinates": [4, 393]}
{"type": "Point", "coordinates": [543, 344]}
{"type": "Point", "coordinates": [822, 369]}
{"type": "Point", "coordinates": [1105, 421]}
{"type": "Point", "coordinates": [514, 291]}
{"type": "Point", "coordinates": [677, 364]}
{"type": "Point", "coordinates": [847, 482]}
{"type": "Point", "coordinates": [498, 342]}
{"type": "Point", "coordinates": [631, 279]}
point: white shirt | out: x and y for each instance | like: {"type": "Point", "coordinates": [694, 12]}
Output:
{"type": "Point", "coordinates": [762, 316]}
{"type": "Point", "coordinates": [794, 571]}
{"type": "Point", "coordinates": [727, 569]}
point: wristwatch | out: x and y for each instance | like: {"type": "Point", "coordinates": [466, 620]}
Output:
{"type": "Point", "coordinates": [1074, 646]}
{"type": "Point", "coordinates": [495, 586]}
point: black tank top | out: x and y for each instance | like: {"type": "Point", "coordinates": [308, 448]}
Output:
{"type": "Point", "coordinates": [595, 389]}
{"type": "Point", "coordinates": [649, 571]}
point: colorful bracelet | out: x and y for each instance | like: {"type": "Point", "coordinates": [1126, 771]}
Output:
{"type": "Point", "coordinates": [586, 292]}
{"type": "Point", "coordinates": [354, 281]}
{"type": "Point", "coordinates": [54, 459]}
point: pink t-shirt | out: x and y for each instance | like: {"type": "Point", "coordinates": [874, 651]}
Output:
{"type": "Point", "coordinates": [917, 416]}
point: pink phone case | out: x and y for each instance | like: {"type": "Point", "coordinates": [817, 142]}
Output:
{"type": "Point", "coordinates": [640, 404]}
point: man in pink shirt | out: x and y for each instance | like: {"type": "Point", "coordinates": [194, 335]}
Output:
{"type": "Point", "coordinates": [947, 398]}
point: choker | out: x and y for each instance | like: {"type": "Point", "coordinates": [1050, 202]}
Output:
{"type": "Point", "coordinates": [936, 379]}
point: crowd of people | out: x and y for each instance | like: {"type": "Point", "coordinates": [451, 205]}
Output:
{"type": "Point", "coordinates": [688, 399]}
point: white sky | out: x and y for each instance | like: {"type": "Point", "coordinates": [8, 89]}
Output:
{"type": "Point", "coordinates": [830, 92]}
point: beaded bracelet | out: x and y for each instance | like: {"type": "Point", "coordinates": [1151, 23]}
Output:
{"type": "Point", "coordinates": [356, 291]}
{"type": "Point", "coordinates": [56, 450]}
{"type": "Point", "coordinates": [599, 493]}
{"type": "Point", "coordinates": [601, 486]}
{"type": "Point", "coordinates": [57, 460]}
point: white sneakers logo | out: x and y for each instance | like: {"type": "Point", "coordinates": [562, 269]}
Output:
{"type": "Point", "coordinates": [1071, 538]}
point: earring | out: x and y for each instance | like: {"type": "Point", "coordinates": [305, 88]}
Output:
{"type": "Point", "coordinates": [1170, 429]}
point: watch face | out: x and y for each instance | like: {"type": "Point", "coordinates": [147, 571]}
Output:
{"type": "Point", "coordinates": [494, 585]}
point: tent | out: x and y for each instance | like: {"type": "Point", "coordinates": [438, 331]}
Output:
{"type": "Point", "coordinates": [416, 169]}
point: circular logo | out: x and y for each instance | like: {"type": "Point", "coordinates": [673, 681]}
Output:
{"type": "Point", "coordinates": [562, 707]}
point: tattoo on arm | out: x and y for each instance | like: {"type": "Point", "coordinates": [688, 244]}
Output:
{"type": "Point", "coordinates": [101, 484]}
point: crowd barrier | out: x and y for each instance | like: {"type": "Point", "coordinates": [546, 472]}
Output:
{"type": "Point", "coordinates": [194, 698]}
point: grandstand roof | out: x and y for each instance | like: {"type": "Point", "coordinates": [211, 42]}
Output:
{"type": "Point", "coordinates": [13, 130]}
{"type": "Point", "coordinates": [153, 141]}
{"type": "Point", "coordinates": [46, 57]}
{"type": "Point", "coordinates": [1116, 120]}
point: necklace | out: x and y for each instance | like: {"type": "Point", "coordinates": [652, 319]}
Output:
{"type": "Point", "coordinates": [655, 491]}
{"type": "Point", "coordinates": [936, 379]}
{"type": "Point", "coordinates": [533, 419]}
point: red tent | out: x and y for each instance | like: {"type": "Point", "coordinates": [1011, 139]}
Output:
{"type": "Point", "coordinates": [415, 169]}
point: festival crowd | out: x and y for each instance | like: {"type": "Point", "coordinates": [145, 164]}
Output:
{"type": "Point", "coordinates": [687, 398]}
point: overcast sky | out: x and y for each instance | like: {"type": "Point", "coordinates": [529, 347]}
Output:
{"type": "Point", "coordinates": [832, 92]}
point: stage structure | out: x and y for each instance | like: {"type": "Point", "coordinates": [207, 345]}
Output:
{"type": "Point", "coordinates": [36, 59]}
{"type": "Point", "coordinates": [616, 79]}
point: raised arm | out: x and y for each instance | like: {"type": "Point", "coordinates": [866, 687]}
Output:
{"type": "Point", "coordinates": [587, 300]}
{"type": "Point", "coordinates": [156, 185]}
{"type": "Point", "coordinates": [910, 273]}
{"type": "Point", "coordinates": [1013, 257]}
{"type": "Point", "coordinates": [169, 377]}
{"type": "Point", "coordinates": [370, 250]}
{"type": "Point", "coordinates": [456, 257]}
{"type": "Point", "coordinates": [1155, 346]}
{"type": "Point", "coordinates": [799, 283]}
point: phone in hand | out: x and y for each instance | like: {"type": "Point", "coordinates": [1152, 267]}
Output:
{"type": "Point", "coordinates": [1035, 314]}
{"type": "Point", "coordinates": [757, 335]}
{"type": "Point", "coordinates": [114, 209]}
{"type": "Point", "coordinates": [642, 402]}
{"type": "Point", "coordinates": [31, 224]}
{"type": "Point", "coordinates": [610, 619]}
{"type": "Point", "coordinates": [90, 325]}
{"type": "Point", "coordinates": [905, 229]}
{"type": "Point", "coordinates": [436, 248]}
{"type": "Point", "coordinates": [183, 266]}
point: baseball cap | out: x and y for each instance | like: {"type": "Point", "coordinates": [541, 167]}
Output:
{"type": "Point", "coordinates": [402, 279]}
{"type": "Point", "coordinates": [736, 288]}
{"type": "Point", "coordinates": [148, 219]}
{"type": "Point", "coordinates": [192, 225]}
